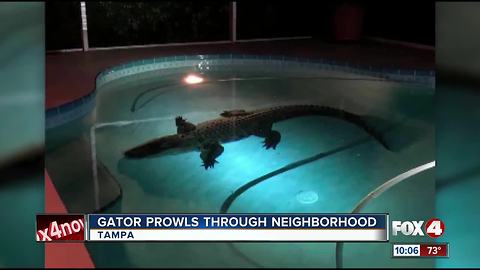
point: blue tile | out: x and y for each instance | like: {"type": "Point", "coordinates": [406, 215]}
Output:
{"type": "Point", "coordinates": [363, 67]}
{"type": "Point", "coordinates": [421, 72]}
{"type": "Point", "coordinates": [376, 70]}
{"type": "Point", "coordinates": [67, 107]}
{"type": "Point", "coordinates": [78, 102]}
{"type": "Point", "coordinates": [51, 113]}
{"type": "Point", "coordinates": [390, 71]}
{"type": "Point", "coordinates": [406, 72]}
{"type": "Point", "coordinates": [89, 96]}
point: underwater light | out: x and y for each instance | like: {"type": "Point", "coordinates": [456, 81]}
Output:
{"type": "Point", "coordinates": [193, 79]}
{"type": "Point", "coordinates": [307, 197]}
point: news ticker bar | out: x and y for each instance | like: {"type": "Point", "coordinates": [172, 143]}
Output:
{"type": "Point", "coordinates": [213, 227]}
{"type": "Point", "coordinates": [438, 250]}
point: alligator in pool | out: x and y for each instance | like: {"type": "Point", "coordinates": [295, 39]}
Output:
{"type": "Point", "coordinates": [207, 137]}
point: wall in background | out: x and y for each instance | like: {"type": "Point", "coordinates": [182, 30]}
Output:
{"type": "Point", "coordinates": [139, 23]}
{"type": "Point", "coordinates": [400, 20]}
{"type": "Point", "coordinates": [271, 19]}
{"type": "Point", "coordinates": [395, 20]}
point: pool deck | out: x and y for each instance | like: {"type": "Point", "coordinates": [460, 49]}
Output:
{"type": "Point", "coordinates": [71, 75]}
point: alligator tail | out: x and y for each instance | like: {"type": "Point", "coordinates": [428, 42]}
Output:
{"type": "Point", "coordinates": [285, 112]}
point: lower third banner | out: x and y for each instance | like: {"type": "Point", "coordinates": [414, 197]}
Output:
{"type": "Point", "coordinates": [238, 227]}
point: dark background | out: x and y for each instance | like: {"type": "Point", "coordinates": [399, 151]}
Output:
{"type": "Point", "coordinates": [138, 23]}
{"type": "Point", "coordinates": [63, 25]}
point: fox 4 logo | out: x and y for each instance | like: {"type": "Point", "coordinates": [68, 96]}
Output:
{"type": "Point", "coordinates": [433, 228]}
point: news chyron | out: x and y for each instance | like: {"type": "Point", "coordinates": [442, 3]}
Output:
{"type": "Point", "coordinates": [429, 231]}
{"type": "Point", "coordinates": [250, 227]}
{"type": "Point", "coordinates": [214, 227]}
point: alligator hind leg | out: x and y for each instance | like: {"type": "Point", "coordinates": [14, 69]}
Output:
{"type": "Point", "coordinates": [272, 137]}
{"type": "Point", "coordinates": [209, 152]}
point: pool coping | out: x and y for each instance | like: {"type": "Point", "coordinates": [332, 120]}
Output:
{"type": "Point", "coordinates": [80, 107]}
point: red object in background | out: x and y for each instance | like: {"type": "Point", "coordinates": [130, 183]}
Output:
{"type": "Point", "coordinates": [434, 250]}
{"type": "Point", "coordinates": [348, 22]}
{"type": "Point", "coordinates": [62, 255]}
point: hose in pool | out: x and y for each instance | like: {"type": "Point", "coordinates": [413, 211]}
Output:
{"type": "Point", "coordinates": [374, 194]}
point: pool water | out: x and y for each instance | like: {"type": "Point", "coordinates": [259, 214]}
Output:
{"type": "Point", "coordinates": [137, 108]}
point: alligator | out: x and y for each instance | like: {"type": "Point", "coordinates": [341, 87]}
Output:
{"type": "Point", "coordinates": [207, 137]}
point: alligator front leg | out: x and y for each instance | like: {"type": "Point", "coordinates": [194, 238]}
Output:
{"type": "Point", "coordinates": [272, 137]}
{"type": "Point", "coordinates": [209, 152]}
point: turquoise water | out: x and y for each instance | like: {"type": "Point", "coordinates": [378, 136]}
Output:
{"type": "Point", "coordinates": [22, 83]}
{"type": "Point", "coordinates": [458, 179]}
{"type": "Point", "coordinates": [22, 76]}
{"type": "Point", "coordinates": [132, 110]}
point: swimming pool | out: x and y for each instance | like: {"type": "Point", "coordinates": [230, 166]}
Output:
{"type": "Point", "coordinates": [321, 164]}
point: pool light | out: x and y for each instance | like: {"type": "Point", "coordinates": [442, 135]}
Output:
{"type": "Point", "coordinates": [307, 197]}
{"type": "Point", "coordinates": [193, 79]}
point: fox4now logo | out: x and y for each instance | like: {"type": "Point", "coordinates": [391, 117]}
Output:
{"type": "Point", "coordinates": [433, 228]}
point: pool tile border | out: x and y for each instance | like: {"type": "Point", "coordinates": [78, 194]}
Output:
{"type": "Point", "coordinates": [82, 106]}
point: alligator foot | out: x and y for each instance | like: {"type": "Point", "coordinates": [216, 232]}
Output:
{"type": "Point", "coordinates": [209, 152]}
{"type": "Point", "coordinates": [183, 126]}
{"type": "Point", "coordinates": [272, 139]}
